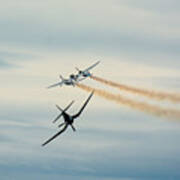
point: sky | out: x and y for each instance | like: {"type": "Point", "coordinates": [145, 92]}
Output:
{"type": "Point", "coordinates": [137, 43]}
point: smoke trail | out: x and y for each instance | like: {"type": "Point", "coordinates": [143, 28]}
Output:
{"type": "Point", "coordinates": [144, 107]}
{"type": "Point", "coordinates": [148, 93]}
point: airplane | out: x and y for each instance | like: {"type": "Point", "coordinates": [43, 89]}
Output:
{"type": "Point", "coordinates": [85, 73]}
{"type": "Point", "coordinates": [71, 81]}
{"type": "Point", "coordinates": [68, 119]}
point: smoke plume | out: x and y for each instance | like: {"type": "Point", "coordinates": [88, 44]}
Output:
{"type": "Point", "coordinates": [144, 107]}
{"type": "Point", "coordinates": [148, 93]}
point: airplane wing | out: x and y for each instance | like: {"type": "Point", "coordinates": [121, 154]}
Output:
{"type": "Point", "coordinates": [57, 134]}
{"type": "Point", "coordinates": [92, 66]}
{"type": "Point", "coordinates": [57, 84]}
{"type": "Point", "coordinates": [57, 117]}
{"type": "Point", "coordinates": [80, 111]}
{"type": "Point", "coordinates": [81, 79]}
{"type": "Point", "coordinates": [68, 106]}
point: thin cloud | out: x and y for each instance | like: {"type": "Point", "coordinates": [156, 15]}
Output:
{"type": "Point", "coordinates": [5, 65]}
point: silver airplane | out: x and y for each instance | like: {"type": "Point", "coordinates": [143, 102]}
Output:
{"type": "Point", "coordinates": [85, 73]}
{"type": "Point", "coordinates": [68, 119]}
{"type": "Point", "coordinates": [70, 82]}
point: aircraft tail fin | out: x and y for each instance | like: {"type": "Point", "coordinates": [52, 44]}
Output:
{"type": "Point", "coordinates": [77, 69]}
{"type": "Point", "coordinates": [61, 77]}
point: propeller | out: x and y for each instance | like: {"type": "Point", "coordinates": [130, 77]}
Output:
{"type": "Point", "coordinates": [61, 124]}
{"type": "Point", "coordinates": [73, 128]}
{"type": "Point", "coordinates": [62, 111]}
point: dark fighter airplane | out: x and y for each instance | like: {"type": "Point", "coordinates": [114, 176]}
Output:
{"type": "Point", "coordinates": [68, 119]}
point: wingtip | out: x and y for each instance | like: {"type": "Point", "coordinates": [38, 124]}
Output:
{"type": "Point", "coordinates": [98, 62]}
{"type": "Point", "coordinates": [53, 121]}
{"type": "Point", "coordinates": [72, 102]}
{"type": "Point", "coordinates": [91, 95]}
{"type": "Point", "coordinates": [92, 92]}
{"type": "Point", "coordinates": [42, 145]}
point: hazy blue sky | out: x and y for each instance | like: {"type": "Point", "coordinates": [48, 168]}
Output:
{"type": "Point", "coordinates": [137, 43]}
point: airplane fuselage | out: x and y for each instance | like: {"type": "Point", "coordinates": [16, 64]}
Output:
{"type": "Point", "coordinates": [86, 74]}
{"type": "Point", "coordinates": [68, 82]}
{"type": "Point", "coordinates": [74, 77]}
{"type": "Point", "coordinates": [68, 118]}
